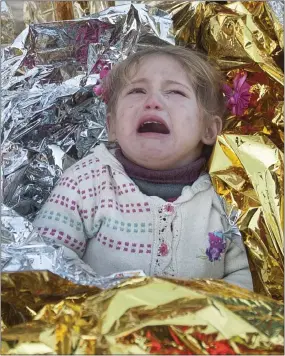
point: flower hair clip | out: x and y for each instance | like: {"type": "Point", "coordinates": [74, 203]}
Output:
{"type": "Point", "coordinates": [98, 88]}
{"type": "Point", "coordinates": [238, 97]}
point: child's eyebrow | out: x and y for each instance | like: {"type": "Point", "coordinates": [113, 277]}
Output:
{"type": "Point", "coordinates": [168, 81]}
{"type": "Point", "coordinates": [138, 81]}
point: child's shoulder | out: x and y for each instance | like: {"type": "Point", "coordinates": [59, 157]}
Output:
{"type": "Point", "coordinates": [97, 159]}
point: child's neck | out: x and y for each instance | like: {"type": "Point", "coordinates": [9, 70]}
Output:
{"type": "Point", "coordinates": [184, 175]}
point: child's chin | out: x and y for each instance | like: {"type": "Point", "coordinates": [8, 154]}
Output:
{"type": "Point", "coordinates": [154, 159]}
{"type": "Point", "coordinates": [154, 152]}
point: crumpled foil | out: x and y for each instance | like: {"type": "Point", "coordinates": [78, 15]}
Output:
{"type": "Point", "coordinates": [23, 249]}
{"type": "Point", "coordinates": [140, 316]}
{"type": "Point", "coordinates": [48, 11]}
{"type": "Point", "coordinates": [260, 198]}
{"type": "Point", "coordinates": [7, 24]}
{"type": "Point", "coordinates": [277, 7]}
{"type": "Point", "coordinates": [247, 162]}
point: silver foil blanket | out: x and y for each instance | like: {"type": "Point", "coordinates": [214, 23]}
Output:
{"type": "Point", "coordinates": [23, 249]}
{"type": "Point", "coordinates": [277, 7]}
{"type": "Point", "coordinates": [7, 24]}
{"type": "Point", "coordinates": [51, 118]}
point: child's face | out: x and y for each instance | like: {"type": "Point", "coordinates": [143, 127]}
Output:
{"type": "Point", "coordinates": [157, 122]}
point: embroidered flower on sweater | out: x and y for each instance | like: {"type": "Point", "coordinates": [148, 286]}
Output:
{"type": "Point", "coordinates": [163, 249]}
{"type": "Point", "coordinates": [217, 246]}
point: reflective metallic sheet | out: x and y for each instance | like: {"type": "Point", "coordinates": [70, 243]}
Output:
{"type": "Point", "coordinates": [140, 316]}
{"type": "Point", "coordinates": [7, 24]}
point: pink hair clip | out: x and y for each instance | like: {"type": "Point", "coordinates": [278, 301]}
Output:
{"type": "Point", "coordinates": [238, 97]}
{"type": "Point", "coordinates": [98, 89]}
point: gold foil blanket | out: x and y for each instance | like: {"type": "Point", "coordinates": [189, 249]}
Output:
{"type": "Point", "coordinates": [141, 316]}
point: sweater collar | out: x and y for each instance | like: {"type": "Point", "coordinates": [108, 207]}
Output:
{"type": "Point", "coordinates": [184, 175]}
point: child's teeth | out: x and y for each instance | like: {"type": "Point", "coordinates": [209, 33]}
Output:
{"type": "Point", "coordinates": [151, 122]}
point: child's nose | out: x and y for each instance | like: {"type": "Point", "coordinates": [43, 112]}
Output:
{"type": "Point", "coordinates": [152, 102]}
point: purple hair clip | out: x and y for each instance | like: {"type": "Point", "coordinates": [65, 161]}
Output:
{"type": "Point", "coordinates": [238, 97]}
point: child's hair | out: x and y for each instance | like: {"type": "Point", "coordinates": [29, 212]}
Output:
{"type": "Point", "coordinates": [206, 80]}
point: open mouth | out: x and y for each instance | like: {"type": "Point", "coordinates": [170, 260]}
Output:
{"type": "Point", "coordinates": [154, 127]}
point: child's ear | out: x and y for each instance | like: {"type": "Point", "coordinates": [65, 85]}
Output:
{"type": "Point", "coordinates": [213, 128]}
{"type": "Point", "coordinates": [111, 128]}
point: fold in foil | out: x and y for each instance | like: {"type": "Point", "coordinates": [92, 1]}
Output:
{"type": "Point", "coordinates": [237, 34]}
{"type": "Point", "coordinates": [237, 158]}
{"type": "Point", "coordinates": [194, 317]}
{"type": "Point", "coordinates": [247, 162]}
{"type": "Point", "coordinates": [49, 11]}
{"type": "Point", "coordinates": [35, 12]}
{"type": "Point", "coordinates": [23, 249]}
{"type": "Point", "coordinates": [7, 24]}
{"type": "Point", "coordinates": [277, 8]}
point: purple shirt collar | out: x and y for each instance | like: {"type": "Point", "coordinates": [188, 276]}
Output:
{"type": "Point", "coordinates": [184, 175]}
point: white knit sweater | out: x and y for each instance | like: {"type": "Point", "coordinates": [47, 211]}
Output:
{"type": "Point", "coordinates": [99, 212]}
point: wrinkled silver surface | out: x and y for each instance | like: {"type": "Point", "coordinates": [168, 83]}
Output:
{"type": "Point", "coordinates": [277, 7]}
{"type": "Point", "coordinates": [24, 250]}
{"type": "Point", "coordinates": [7, 23]}
{"type": "Point", "coordinates": [50, 118]}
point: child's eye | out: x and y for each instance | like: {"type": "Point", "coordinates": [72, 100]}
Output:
{"type": "Point", "coordinates": [136, 91]}
{"type": "Point", "coordinates": [177, 92]}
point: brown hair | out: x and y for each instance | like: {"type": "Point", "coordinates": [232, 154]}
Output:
{"type": "Point", "coordinates": [205, 79]}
